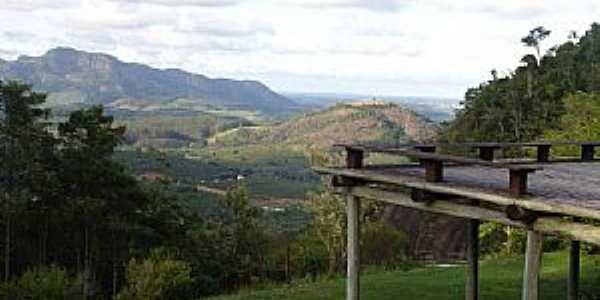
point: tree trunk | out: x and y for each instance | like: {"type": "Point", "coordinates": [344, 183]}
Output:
{"type": "Point", "coordinates": [114, 281]}
{"type": "Point", "coordinates": [86, 263]}
{"type": "Point", "coordinates": [7, 245]}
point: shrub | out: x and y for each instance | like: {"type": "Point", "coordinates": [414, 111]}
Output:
{"type": "Point", "coordinates": [157, 277]}
{"type": "Point", "coordinates": [44, 283]}
{"type": "Point", "coordinates": [383, 245]}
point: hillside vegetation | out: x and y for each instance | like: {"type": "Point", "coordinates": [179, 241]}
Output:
{"type": "Point", "coordinates": [527, 103]}
{"type": "Point", "coordinates": [344, 123]}
{"type": "Point", "coordinates": [500, 280]}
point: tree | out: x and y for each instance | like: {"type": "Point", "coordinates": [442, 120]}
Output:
{"type": "Point", "coordinates": [535, 37]}
{"type": "Point", "coordinates": [24, 145]}
{"type": "Point", "coordinates": [98, 189]}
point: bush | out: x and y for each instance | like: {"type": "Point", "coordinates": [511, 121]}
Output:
{"type": "Point", "coordinates": [157, 277]}
{"type": "Point", "coordinates": [44, 283]}
{"type": "Point", "coordinates": [383, 245]}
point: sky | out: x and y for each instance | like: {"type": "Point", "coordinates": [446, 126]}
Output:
{"type": "Point", "coordinates": [373, 47]}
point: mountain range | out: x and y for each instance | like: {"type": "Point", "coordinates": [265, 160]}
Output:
{"type": "Point", "coordinates": [70, 76]}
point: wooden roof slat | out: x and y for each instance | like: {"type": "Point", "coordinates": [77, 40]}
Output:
{"type": "Point", "coordinates": [488, 195]}
{"type": "Point", "coordinates": [445, 158]}
{"type": "Point", "coordinates": [472, 145]}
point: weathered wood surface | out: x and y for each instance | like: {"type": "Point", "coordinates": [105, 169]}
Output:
{"type": "Point", "coordinates": [353, 248]}
{"type": "Point", "coordinates": [574, 264]}
{"type": "Point", "coordinates": [427, 156]}
{"type": "Point", "coordinates": [533, 263]}
{"type": "Point", "coordinates": [486, 149]}
{"type": "Point", "coordinates": [551, 225]}
{"type": "Point", "coordinates": [496, 145]}
{"type": "Point", "coordinates": [472, 281]}
{"type": "Point", "coordinates": [569, 188]}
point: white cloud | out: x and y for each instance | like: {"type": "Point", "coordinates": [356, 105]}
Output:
{"type": "Point", "coordinates": [420, 47]}
{"type": "Point", "coordinates": [375, 5]}
{"type": "Point", "coordinates": [197, 3]}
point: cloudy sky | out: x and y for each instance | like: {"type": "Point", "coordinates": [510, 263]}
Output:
{"type": "Point", "coordinates": [375, 47]}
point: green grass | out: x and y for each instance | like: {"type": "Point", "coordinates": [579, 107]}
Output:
{"type": "Point", "coordinates": [500, 279]}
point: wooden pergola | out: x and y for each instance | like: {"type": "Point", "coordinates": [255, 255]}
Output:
{"type": "Point", "coordinates": [544, 195]}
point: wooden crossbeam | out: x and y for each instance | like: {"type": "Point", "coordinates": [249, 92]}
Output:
{"type": "Point", "coordinates": [550, 225]}
{"type": "Point", "coordinates": [486, 149]}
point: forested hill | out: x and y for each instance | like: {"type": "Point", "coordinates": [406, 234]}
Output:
{"type": "Point", "coordinates": [72, 76]}
{"type": "Point", "coordinates": [364, 122]}
{"type": "Point", "coordinates": [553, 95]}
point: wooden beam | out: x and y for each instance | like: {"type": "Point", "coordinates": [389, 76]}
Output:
{"type": "Point", "coordinates": [472, 282]}
{"type": "Point", "coordinates": [486, 195]}
{"type": "Point", "coordinates": [533, 263]}
{"type": "Point", "coordinates": [443, 207]}
{"type": "Point", "coordinates": [425, 148]}
{"type": "Point", "coordinates": [568, 229]}
{"type": "Point", "coordinates": [353, 249]}
{"type": "Point", "coordinates": [574, 264]}
{"type": "Point", "coordinates": [551, 225]}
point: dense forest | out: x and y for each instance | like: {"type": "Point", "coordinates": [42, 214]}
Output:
{"type": "Point", "coordinates": [543, 98]}
{"type": "Point", "coordinates": [76, 224]}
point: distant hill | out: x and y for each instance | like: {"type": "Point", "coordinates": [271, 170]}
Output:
{"type": "Point", "coordinates": [364, 121]}
{"type": "Point", "coordinates": [434, 108]}
{"type": "Point", "coordinates": [76, 77]}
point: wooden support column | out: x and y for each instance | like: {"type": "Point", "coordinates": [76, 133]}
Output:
{"type": "Point", "coordinates": [353, 251]}
{"type": "Point", "coordinates": [543, 153]}
{"type": "Point", "coordinates": [574, 264]}
{"type": "Point", "coordinates": [354, 159]}
{"type": "Point", "coordinates": [518, 182]}
{"type": "Point", "coordinates": [533, 263]}
{"type": "Point", "coordinates": [587, 152]}
{"type": "Point", "coordinates": [434, 171]}
{"type": "Point", "coordinates": [472, 282]}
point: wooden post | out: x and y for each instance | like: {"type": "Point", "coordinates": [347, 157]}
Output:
{"type": "Point", "coordinates": [354, 158]}
{"type": "Point", "coordinates": [543, 153]}
{"type": "Point", "coordinates": [472, 282]}
{"type": "Point", "coordinates": [587, 152]}
{"type": "Point", "coordinates": [353, 271]}
{"type": "Point", "coordinates": [533, 262]}
{"type": "Point", "coordinates": [574, 263]}
{"type": "Point", "coordinates": [518, 182]}
{"type": "Point", "coordinates": [433, 170]}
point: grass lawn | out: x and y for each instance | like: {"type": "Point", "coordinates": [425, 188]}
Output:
{"type": "Point", "coordinates": [500, 279]}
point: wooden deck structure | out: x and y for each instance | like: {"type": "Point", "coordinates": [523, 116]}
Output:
{"type": "Point", "coordinates": [544, 196]}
